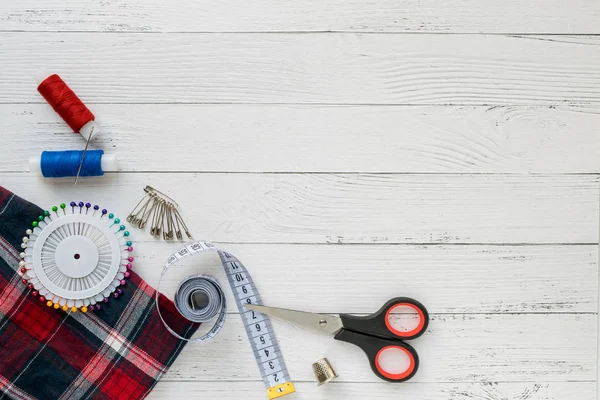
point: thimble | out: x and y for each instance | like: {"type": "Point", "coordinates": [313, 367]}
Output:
{"type": "Point", "coordinates": [323, 371]}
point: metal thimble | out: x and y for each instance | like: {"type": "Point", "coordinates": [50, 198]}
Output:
{"type": "Point", "coordinates": [323, 371]}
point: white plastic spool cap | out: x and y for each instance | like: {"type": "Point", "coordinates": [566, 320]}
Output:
{"type": "Point", "coordinates": [90, 128]}
{"type": "Point", "coordinates": [108, 163]}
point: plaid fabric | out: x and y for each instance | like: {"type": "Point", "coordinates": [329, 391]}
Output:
{"type": "Point", "coordinates": [119, 352]}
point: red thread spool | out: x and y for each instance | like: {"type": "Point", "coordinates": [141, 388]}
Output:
{"type": "Point", "coordinates": [66, 103]}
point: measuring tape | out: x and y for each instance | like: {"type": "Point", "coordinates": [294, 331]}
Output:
{"type": "Point", "coordinates": [267, 353]}
{"type": "Point", "coordinates": [184, 302]}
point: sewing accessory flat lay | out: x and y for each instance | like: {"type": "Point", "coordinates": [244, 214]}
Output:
{"type": "Point", "coordinates": [76, 256]}
{"type": "Point", "coordinates": [111, 353]}
{"type": "Point", "coordinates": [375, 334]}
{"type": "Point", "coordinates": [263, 342]}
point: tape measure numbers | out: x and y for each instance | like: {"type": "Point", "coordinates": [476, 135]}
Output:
{"type": "Point", "coordinates": [261, 335]}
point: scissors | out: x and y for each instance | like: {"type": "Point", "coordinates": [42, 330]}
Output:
{"type": "Point", "coordinates": [374, 333]}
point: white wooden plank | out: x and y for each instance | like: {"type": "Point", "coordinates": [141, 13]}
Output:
{"type": "Point", "coordinates": [456, 348]}
{"type": "Point", "coordinates": [356, 208]}
{"type": "Point", "coordinates": [236, 390]}
{"type": "Point", "coordinates": [301, 68]}
{"type": "Point", "coordinates": [492, 16]}
{"type": "Point", "coordinates": [360, 279]}
{"type": "Point", "coordinates": [275, 138]}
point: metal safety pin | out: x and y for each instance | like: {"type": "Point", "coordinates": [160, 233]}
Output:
{"type": "Point", "coordinates": [168, 233]}
{"type": "Point", "coordinates": [156, 216]}
{"type": "Point", "coordinates": [180, 219]}
{"type": "Point", "coordinates": [150, 189]}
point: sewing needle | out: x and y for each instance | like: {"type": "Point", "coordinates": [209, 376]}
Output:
{"type": "Point", "coordinates": [83, 156]}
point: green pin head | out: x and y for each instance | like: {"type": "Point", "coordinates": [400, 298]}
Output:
{"type": "Point", "coordinates": [54, 208]}
{"type": "Point", "coordinates": [46, 213]}
{"type": "Point", "coordinates": [63, 205]}
{"type": "Point", "coordinates": [34, 224]}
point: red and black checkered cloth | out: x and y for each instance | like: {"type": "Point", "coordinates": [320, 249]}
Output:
{"type": "Point", "coordinates": [119, 352]}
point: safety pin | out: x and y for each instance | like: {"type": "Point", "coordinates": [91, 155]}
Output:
{"type": "Point", "coordinates": [150, 189]}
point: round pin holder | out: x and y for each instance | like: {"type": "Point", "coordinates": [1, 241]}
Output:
{"type": "Point", "coordinates": [76, 257]}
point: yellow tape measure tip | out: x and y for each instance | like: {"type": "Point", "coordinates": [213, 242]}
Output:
{"type": "Point", "coordinates": [280, 390]}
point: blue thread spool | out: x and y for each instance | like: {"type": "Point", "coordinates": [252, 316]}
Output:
{"type": "Point", "coordinates": [57, 164]}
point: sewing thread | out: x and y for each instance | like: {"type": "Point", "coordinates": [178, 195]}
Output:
{"type": "Point", "coordinates": [57, 164]}
{"type": "Point", "coordinates": [65, 102]}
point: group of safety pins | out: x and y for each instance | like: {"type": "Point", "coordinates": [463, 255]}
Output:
{"type": "Point", "coordinates": [166, 218]}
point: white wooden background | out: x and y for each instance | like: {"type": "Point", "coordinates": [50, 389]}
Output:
{"type": "Point", "coordinates": [347, 151]}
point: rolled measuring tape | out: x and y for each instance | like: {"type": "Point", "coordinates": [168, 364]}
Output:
{"type": "Point", "coordinates": [201, 297]}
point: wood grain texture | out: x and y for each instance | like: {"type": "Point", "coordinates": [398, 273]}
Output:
{"type": "Point", "coordinates": [377, 391]}
{"type": "Point", "coordinates": [346, 159]}
{"type": "Point", "coordinates": [305, 68]}
{"type": "Point", "coordinates": [456, 348]}
{"type": "Point", "coordinates": [359, 279]}
{"type": "Point", "coordinates": [356, 208]}
{"type": "Point", "coordinates": [276, 138]}
{"type": "Point", "coordinates": [453, 16]}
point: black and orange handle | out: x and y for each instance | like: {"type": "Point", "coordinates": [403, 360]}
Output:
{"type": "Point", "coordinates": [375, 333]}
{"type": "Point", "coordinates": [378, 323]}
{"type": "Point", "coordinates": [374, 346]}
